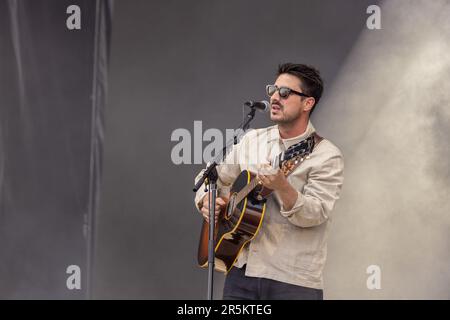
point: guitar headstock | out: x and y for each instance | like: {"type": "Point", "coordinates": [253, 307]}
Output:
{"type": "Point", "coordinates": [296, 153]}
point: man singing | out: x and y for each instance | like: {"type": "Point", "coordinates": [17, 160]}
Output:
{"type": "Point", "coordinates": [286, 258]}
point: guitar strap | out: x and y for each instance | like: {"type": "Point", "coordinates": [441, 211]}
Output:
{"type": "Point", "coordinates": [317, 139]}
{"type": "Point", "coordinates": [265, 192]}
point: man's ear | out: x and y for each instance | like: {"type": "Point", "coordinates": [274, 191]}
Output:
{"type": "Point", "coordinates": [310, 102]}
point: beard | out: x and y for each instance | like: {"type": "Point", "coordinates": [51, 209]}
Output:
{"type": "Point", "coordinates": [280, 117]}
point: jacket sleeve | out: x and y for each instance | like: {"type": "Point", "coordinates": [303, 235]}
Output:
{"type": "Point", "coordinates": [320, 193]}
{"type": "Point", "coordinates": [228, 171]}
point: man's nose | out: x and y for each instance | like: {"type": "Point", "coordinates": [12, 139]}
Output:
{"type": "Point", "coordinates": [275, 97]}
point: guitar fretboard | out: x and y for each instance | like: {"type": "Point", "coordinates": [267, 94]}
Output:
{"type": "Point", "coordinates": [254, 182]}
{"type": "Point", "coordinates": [295, 156]}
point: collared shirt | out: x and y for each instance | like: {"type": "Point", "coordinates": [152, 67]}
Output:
{"type": "Point", "coordinates": [291, 245]}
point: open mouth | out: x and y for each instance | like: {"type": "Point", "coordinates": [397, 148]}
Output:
{"type": "Point", "coordinates": [276, 107]}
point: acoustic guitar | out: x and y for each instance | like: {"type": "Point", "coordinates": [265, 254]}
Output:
{"type": "Point", "coordinates": [240, 220]}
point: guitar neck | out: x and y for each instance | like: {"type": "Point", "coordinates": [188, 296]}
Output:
{"type": "Point", "coordinates": [288, 162]}
{"type": "Point", "coordinates": [245, 191]}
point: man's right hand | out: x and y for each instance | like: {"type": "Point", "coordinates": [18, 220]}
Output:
{"type": "Point", "coordinates": [220, 204]}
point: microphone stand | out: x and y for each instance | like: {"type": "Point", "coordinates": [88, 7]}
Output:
{"type": "Point", "coordinates": [209, 178]}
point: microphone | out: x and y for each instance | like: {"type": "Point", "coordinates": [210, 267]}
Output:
{"type": "Point", "coordinates": [262, 106]}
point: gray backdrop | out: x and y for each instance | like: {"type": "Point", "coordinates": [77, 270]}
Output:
{"type": "Point", "coordinates": [52, 93]}
{"type": "Point", "coordinates": [174, 62]}
{"type": "Point", "coordinates": [385, 105]}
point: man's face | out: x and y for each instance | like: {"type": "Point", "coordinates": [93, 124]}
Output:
{"type": "Point", "coordinates": [286, 110]}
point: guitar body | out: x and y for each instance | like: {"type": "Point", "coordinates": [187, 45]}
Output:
{"type": "Point", "coordinates": [237, 225]}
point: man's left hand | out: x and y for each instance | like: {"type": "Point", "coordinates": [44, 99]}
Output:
{"type": "Point", "coordinates": [275, 180]}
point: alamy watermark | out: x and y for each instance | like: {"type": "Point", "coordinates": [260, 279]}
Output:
{"type": "Point", "coordinates": [73, 281]}
{"type": "Point", "coordinates": [73, 21]}
{"type": "Point", "coordinates": [190, 149]}
{"type": "Point", "coordinates": [374, 279]}
{"type": "Point", "coordinates": [373, 22]}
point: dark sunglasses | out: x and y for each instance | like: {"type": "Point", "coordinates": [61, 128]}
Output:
{"type": "Point", "coordinates": [283, 91]}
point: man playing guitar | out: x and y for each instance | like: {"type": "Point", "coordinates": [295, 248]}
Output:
{"type": "Point", "coordinates": [285, 259]}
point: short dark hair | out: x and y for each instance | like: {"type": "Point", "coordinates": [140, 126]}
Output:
{"type": "Point", "coordinates": [311, 82]}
